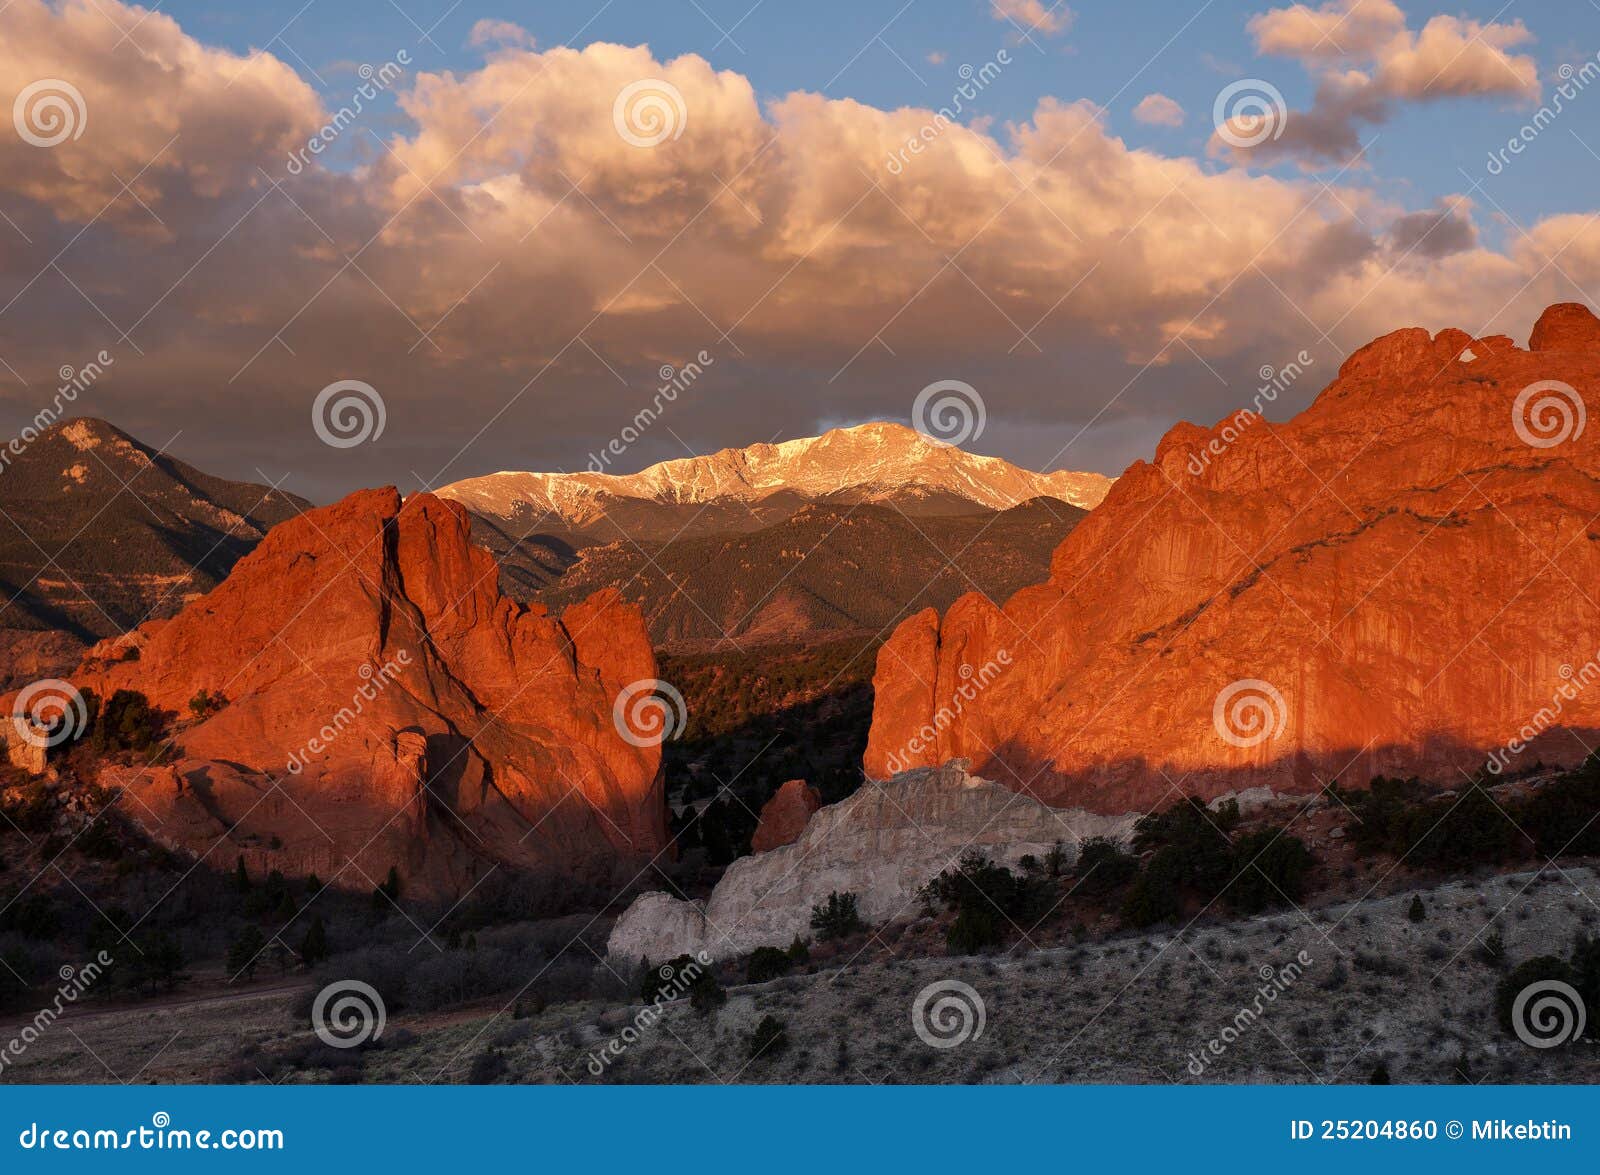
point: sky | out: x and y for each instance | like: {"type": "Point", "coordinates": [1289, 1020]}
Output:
{"type": "Point", "coordinates": [523, 235]}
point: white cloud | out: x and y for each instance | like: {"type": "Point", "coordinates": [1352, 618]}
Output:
{"type": "Point", "coordinates": [1158, 110]}
{"type": "Point", "coordinates": [1034, 15]}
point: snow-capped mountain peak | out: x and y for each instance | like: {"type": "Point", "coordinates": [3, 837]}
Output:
{"type": "Point", "coordinates": [868, 462]}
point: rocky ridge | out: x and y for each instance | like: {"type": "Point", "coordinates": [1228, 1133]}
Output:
{"type": "Point", "coordinates": [1397, 581]}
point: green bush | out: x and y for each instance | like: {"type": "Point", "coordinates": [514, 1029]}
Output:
{"type": "Point", "coordinates": [244, 953]}
{"type": "Point", "coordinates": [1270, 869]}
{"type": "Point", "coordinates": [126, 722]}
{"type": "Point", "coordinates": [1534, 970]}
{"type": "Point", "coordinates": [837, 917]}
{"type": "Point", "coordinates": [1103, 868]}
{"type": "Point", "coordinates": [1417, 912]}
{"type": "Point", "coordinates": [769, 1039]}
{"type": "Point", "coordinates": [1155, 895]}
{"type": "Point", "coordinates": [989, 901]}
{"type": "Point", "coordinates": [767, 963]}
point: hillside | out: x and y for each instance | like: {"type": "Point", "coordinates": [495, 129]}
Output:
{"type": "Point", "coordinates": [99, 532]}
{"type": "Point", "coordinates": [826, 570]}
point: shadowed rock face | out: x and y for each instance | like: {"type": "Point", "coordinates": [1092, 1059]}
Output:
{"type": "Point", "coordinates": [387, 706]}
{"type": "Point", "coordinates": [882, 843]}
{"type": "Point", "coordinates": [1401, 579]}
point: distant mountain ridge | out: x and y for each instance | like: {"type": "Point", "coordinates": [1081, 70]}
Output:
{"type": "Point", "coordinates": [98, 532]}
{"type": "Point", "coordinates": [748, 488]}
{"type": "Point", "coordinates": [827, 570]}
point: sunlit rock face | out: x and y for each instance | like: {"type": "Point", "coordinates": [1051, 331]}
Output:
{"type": "Point", "coordinates": [1400, 580]}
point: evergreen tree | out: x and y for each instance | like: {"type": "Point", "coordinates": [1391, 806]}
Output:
{"type": "Point", "coordinates": [314, 947]}
{"type": "Point", "coordinates": [244, 953]}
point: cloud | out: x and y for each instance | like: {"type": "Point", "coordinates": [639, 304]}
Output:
{"type": "Point", "coordinates": [499, 33]}
{"type": "Point", "coordinates": [136, 99]}
{"type": "Point", "coordinates": [1158, 110]}
{"type": "Point", "coordinates": [1365, 60]}
{"type": "Point", "coordinates": [1034, 15]}
{"type": "Point", "coordinates": [511, 270]}
{"type": "Point", "coordinates": [1435, 232]}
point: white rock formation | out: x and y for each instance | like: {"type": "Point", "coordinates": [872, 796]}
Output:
{"type": "Point", "coordinates": [883, 843]}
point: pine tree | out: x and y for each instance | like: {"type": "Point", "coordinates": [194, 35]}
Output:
{"type": "Point", "coordinates": [314, 947]}
{"type": "Point", "coordinates": [241, 878]}
{"type": "Point", "coordinates": [244, 953]}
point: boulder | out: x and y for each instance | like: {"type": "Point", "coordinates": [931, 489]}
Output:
{"type": "Point", "coordinates": [784, 816]}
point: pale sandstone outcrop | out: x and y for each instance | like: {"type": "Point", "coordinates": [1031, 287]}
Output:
{"type": "Point", "coordinates": [883, 843]}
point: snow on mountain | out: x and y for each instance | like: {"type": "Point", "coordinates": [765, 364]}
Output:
{"type": "Point", "coordinates": [869, 462]}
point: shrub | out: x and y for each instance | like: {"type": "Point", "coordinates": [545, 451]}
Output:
{"type": "Point", "coordinates": [1103, 867]}
{"type": "Point", "coordinates": [988, 899]}
{"type": "Point", "coordinates": [1270, 869]}
{"type": "Point", "coordinates": [1534, 970]}
{"type": "Point", "coordinates": [1560, 815]}
{"type": "Point", "coordinates": [767, 963]}
{"type": "Point", "coordinates": [204, 704]}
{"type": "Point", "coordinates": [1155, 895]}
{"type": "Point", "coordinates": [314, 946]}
{"type": "Point", "coordinates": [837, 917]}
{"type": "Point", "coordinates": [1493, 950]}
{"type": "Point", "coordinates": [1417, 912]}
{"type": "Point", "coordinates": [126, 722]}
{"type": "Point", "coordinates": [706, 994]}
{"type": "Point", "coordinates": [769, 1039]}
{"type": "Point", "coordinates": [1197, 839]}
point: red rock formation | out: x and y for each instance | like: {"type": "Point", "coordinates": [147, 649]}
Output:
{"type": "Point", "coordinates": [386, 705]}
{"type": "Point", "coordinates": [784, 816]}
{"type": "Point", "coordinates": [1403, 577]}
